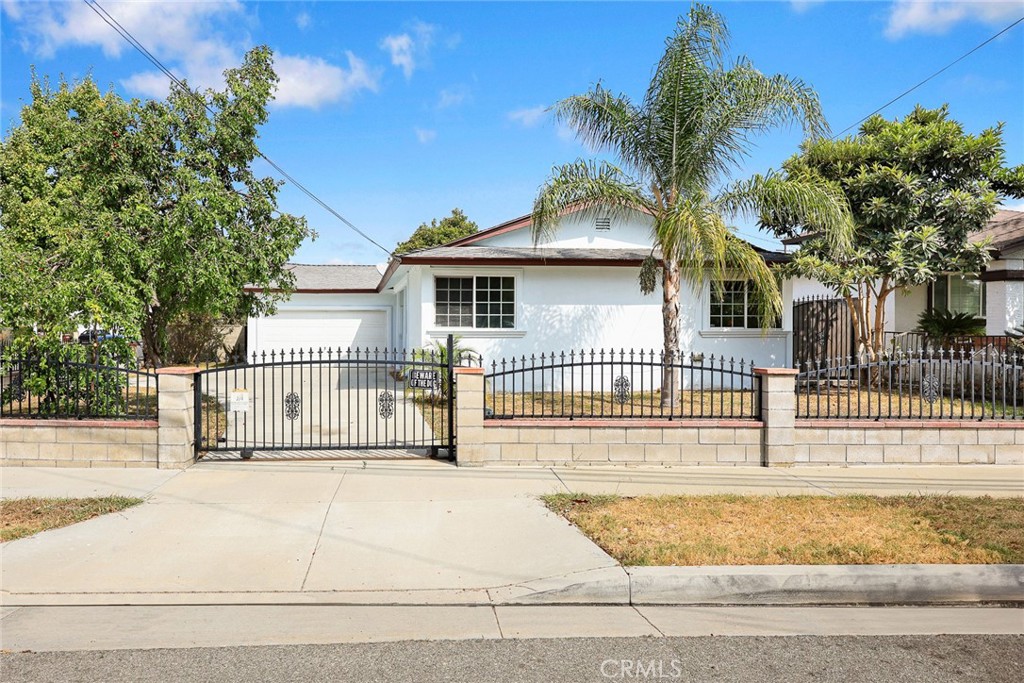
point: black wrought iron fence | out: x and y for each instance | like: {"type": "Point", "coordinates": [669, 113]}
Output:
{"type": "Point", "coordinates": [330, 399]}
{"type": "Point", "coordinates": [914, 342]}
{"type": "Point", "coordinates": [46, 387]}
{"type": "Point", "coordinates": [621, 384]}
{"type": "Point", "coordinates": [951, 384]}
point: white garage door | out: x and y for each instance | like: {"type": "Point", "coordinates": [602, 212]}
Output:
{"type": "Point", "coordinates": [315, 330]}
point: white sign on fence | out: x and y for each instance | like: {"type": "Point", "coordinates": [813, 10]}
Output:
{"type": "Point", "coordinates": [424, 379]}
{"type": "Point", "coordinates": [238, 401]}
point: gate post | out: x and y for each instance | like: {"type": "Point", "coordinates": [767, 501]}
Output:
{"type": "Point", "coordinates": [469, 414]}
{"type": "Point", "coordinates": [176, 413]}
{"type": "Point", "coordinates": [451, 397]}
{"type": "Point", "coordinates": [778, 413]}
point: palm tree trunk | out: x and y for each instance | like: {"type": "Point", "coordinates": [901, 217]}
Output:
{"type": "Point", "coordinates": [670, 320]}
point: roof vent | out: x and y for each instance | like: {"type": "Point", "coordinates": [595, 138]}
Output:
{"type": "Point", "coordinates": [603, 224]}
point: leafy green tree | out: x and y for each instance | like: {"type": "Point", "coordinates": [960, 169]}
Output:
{"type": "Point", "coordinates": [128, 214]}
{"type": "Point", "coordinates": [675, 150]}
{"type": "Point", "coordinates": [917, 188]}
{"type": "Point", "coordinates": [436, 233]}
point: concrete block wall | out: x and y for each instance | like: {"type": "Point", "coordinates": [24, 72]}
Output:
{"type": "Point", "coordinates": [777, 439]}
{"type": "Point", "coordinates": [167, 442]}
{"type": "Point", "coordinates": [78, 443]}
{"type": "Point", "coordinates": [903, 442]}
{"type": "Point", "coordinates": [611, 442]}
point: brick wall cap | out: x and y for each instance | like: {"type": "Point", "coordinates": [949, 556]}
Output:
{"type": "Point", "coordinates": [776, 371]}
{"type": "Point", "coordinates": [622, 423]}
{"type": "Point", "coordinates": [61, 423]}
{"type": "Point", "coordinates": [469, 371]}
{"type": "Point", "coordinates": [178, 370]}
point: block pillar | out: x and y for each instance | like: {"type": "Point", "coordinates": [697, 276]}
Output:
{"type": "Point", "coordinates": [469, 416]}
{"type": "Point", "coordinates": [176, 413]}
{"type": "Point", "coordinates": [778, 413]}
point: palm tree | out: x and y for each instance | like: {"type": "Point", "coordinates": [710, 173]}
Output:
{"type": "Point", "coordinates": [674, 151]}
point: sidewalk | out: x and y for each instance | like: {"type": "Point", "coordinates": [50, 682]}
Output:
{"type": "Point", "coordinates": [384, 533]}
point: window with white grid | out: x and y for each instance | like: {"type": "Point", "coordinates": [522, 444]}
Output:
{"type": "Point", "coordinates": [733, 305]}
{"type": "Point", "coordinates": [482, 302]}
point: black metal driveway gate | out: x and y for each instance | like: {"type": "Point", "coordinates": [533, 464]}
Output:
{"type": "Point", "coordinates": [289, 404]}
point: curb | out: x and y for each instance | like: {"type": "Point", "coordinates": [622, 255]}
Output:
{"type": "Point", "coordinates": [783, 585]}
{"type": "Point", "coordinates": [907, 584]}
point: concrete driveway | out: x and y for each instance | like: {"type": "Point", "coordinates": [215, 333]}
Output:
{"type": "Point", "coordinates": [422, 532]}
{"type": "Point", "coordinates": [301, 407]}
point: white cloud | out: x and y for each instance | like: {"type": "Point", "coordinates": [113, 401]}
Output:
{"type": "Point", "coordinates": [454, 96]}
{"type": "Point", "coordinates": [1015, 206]}
{"type": "Point", "coordinates": [303, 20]}
{"type": "Point", "coordinates": [411, 49]}
{"type": "Point", "coordinates": [528, 117]}
{"type": "Point", "coordinates": [424, 135]}
{"type": "Point", "coordinates": [195, 40]}
{"type": "Point", "coordinates": [939, 16]}
{"type": "Point", "coordinates": [312, 82]}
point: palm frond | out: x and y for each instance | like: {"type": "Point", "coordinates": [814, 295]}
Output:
{"type": "Point", "coordinates": [820, 206]}
{"type": "Point", "coordinates": [604, 121]}
{"type": "Point", "coordinates": [585, 189]}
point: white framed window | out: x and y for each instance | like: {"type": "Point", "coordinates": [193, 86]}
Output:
{"type": "Point", "coordinates": [733, 306]}
{"type": "Point", "coordinates": [483, 302]}
{"type": "Point", "coordinates": [959, 295]}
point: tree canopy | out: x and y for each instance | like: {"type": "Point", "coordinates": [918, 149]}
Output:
{"type": "Point", "coordinates": [435, 233]}
{"type": "Point", "coordinates": [127, 214]}
{"type": "Point", "coordinates": [917, 188]}
{"type": "Point", "coordinates": [675, 151]}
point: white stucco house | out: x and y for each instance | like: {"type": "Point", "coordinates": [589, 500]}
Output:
{"type": "Point", "coordinates": [506, 297]}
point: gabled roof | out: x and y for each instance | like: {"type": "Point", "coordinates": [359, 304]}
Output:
{"type": "Point", "coordinates": [1005, 229]}
{"type": "Point", "coordinates": [329, 279]}
{"type": "Point", "coordinates": [500, 229]}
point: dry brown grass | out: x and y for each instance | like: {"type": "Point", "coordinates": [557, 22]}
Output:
{"type": "Point", "coordinates": [755, 530]}
{"type": "Point", "coordinates": [20, 517]}
{"type": "Point", "coordinates": [709, 404]}
{"type": "Point", "coordinates": [853, 402]}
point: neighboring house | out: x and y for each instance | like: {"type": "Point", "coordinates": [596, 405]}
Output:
{"type": "Point", "coordinates": [997, 294]}
{"type": "Point", "coordinates": [506, 297]}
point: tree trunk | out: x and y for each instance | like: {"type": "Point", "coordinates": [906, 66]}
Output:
{"type": "Point", "coordinates": [151, 351]}
{"type": "Point", "coordinates": [670, 320]}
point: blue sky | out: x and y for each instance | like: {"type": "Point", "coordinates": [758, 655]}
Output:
{"type": "Point", "coordinates": [394, 113]}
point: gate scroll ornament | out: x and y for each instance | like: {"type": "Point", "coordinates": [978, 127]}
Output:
{"type": "Point", "coordinates": [292, 405]}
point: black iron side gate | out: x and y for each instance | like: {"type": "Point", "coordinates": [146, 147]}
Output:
{"type": "Point", "coordinates": [822, 330]}
{"type": "Point", "coordinates": [289, 404]}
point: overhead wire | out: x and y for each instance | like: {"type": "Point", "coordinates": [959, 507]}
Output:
{"type": "Point", "coordinates": [108, 19]}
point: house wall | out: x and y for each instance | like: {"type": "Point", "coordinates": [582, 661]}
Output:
{"type": "Point", "coordinates": [580, 307]}
{"type": "Point", "coordinates": [909, 305]}
{"type": "Point", "coordinates": [1005, 299]}
{"type": "Point", "coordinates": [575, 231]}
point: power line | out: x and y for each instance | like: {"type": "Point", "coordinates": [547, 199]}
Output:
{"type": "Point", "coordinates": [134, 42]}
{"type": "Point", "coordinates": [912, 89]}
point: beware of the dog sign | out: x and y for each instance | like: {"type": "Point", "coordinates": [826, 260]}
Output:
{"type": "Point", "coordinates": [424, 379]}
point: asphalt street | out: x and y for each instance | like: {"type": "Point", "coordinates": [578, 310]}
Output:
{"type": "Point", "coordinates": [908, 659]}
